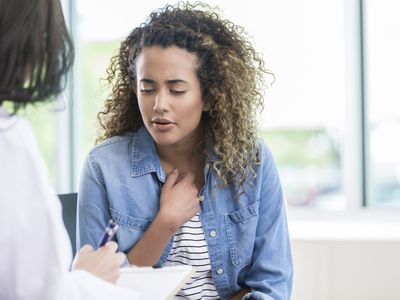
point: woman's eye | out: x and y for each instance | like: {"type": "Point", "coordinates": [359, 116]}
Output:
{"type": "Point", "coordinates": [146, 91]}
{"type": "Point", "coordinates": [176, 92]}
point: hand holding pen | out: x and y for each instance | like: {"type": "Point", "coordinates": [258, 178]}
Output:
{"type": "Point", "coordinates": [109, 233]}
{"type": "Point", "coordinates": [103, 262]}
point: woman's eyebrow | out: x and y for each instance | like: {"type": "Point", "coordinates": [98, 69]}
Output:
{"type": "Point", "coordinates": [171, 81]}
{"type": "Point", "coordinates": [175, 81]}
{"type": "Point", "coordinates": [144, 80]}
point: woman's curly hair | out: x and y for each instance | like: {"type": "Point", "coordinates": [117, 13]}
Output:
{"type": "Point", "coordinates": [231, 75]}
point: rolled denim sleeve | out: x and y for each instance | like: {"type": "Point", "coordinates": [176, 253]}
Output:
{"type": "Point", "coordinates": [93, 212]}
{"type": "Point", "coordinates": [271, 273]}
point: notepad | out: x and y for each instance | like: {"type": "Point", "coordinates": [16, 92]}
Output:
{"type": "Point", "coordinates": [155, 284]}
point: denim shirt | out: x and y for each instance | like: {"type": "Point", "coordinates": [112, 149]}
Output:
{"type": "Point", "coordinates": [247, 236]}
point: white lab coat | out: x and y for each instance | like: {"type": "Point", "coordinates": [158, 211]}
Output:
{"type": "Point", "coordinates": [35, 251]}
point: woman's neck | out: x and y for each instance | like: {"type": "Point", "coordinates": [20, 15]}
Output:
{"type": "Point", "coordinates": [183, 158]}
{"type": "Point", "coordinates": [187, 157]}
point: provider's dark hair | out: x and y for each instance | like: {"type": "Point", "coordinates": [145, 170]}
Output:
{"type": "Point", "coordinates": [36, 51]}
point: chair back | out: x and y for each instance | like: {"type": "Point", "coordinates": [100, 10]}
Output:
{"type": "Point", "coordinates": [69, 203]}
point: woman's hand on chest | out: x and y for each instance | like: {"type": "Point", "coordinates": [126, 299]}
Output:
{"type": "Point", "coordinates": [179, 200]}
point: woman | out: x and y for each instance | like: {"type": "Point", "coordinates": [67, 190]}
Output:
{"type": "Point", "coordinates": [179, 166]}
{"type": "Point", "coordinates": [35, 252]}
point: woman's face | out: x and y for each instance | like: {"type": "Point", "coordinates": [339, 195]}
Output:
{"type": "Point", "coordinates": [169, 95]}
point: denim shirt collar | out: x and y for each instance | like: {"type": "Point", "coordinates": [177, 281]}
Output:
{"type": "Point", "coordinates": [144, 157]}
{"type": "Point", "coordinates": [146, 160]}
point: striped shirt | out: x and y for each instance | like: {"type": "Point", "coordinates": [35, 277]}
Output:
{"type": "Point", "coordinates": [189, 247]}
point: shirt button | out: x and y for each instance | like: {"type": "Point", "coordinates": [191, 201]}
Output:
{"type": "Point", "coordinates": [220, 271]}
{"type": "Point", "coordinates": [213, 233]}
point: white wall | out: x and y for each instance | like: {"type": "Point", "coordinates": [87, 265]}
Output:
{"type": "Point", "coordinates": [346, 270]}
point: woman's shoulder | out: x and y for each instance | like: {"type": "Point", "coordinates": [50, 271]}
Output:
{"type": "Point", "coordinates": [266, 160]}
{"type": "Point", "coordinates": [263, 150]}
{"type": "Point", "coordinates": [114, 149]}
{"type": "Point", "coordinates": [111, 142]}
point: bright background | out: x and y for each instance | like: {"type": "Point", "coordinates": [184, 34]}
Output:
{"type": "Point", "coordinates": [331, 118]}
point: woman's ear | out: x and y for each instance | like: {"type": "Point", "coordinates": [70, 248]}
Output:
{"type": "Point", "coordinates": [207, 105]}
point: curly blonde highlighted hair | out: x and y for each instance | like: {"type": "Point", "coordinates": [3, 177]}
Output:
{"type": "Point", "coordinates": [231, 75]}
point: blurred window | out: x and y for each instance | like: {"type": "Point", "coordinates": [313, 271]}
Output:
{"type": "Point", "coordinates": [382, 63]}
{"type": "Point", "coordinates": [331, 117]}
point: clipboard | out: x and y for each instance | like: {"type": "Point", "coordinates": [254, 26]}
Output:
{"type": "Point", "coordinates": [155, 284]}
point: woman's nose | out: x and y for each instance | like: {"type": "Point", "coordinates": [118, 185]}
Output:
{"type": "Point", "coordinates": [160, 103]}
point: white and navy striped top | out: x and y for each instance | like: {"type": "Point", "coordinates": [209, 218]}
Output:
{"type": "Point", "coordinates": [189, 247]}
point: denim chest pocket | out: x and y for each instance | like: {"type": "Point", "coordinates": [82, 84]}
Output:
{"type": "Point", "coordinates": [241, 226]}
{"type": "Point", "coordinates": [130, 229]}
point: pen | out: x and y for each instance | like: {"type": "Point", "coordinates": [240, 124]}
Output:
{"type": "Point", "coordinates": [109, 232]}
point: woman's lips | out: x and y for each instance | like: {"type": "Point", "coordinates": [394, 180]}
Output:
{"type": "Point", "coordinates": [162, 124]}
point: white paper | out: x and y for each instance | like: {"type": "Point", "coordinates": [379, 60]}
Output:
{"type": "Point", "coordinates": [155, 284]}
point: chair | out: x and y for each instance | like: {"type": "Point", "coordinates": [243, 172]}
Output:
{"type": "Point", "coordinates": [69, 203]}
